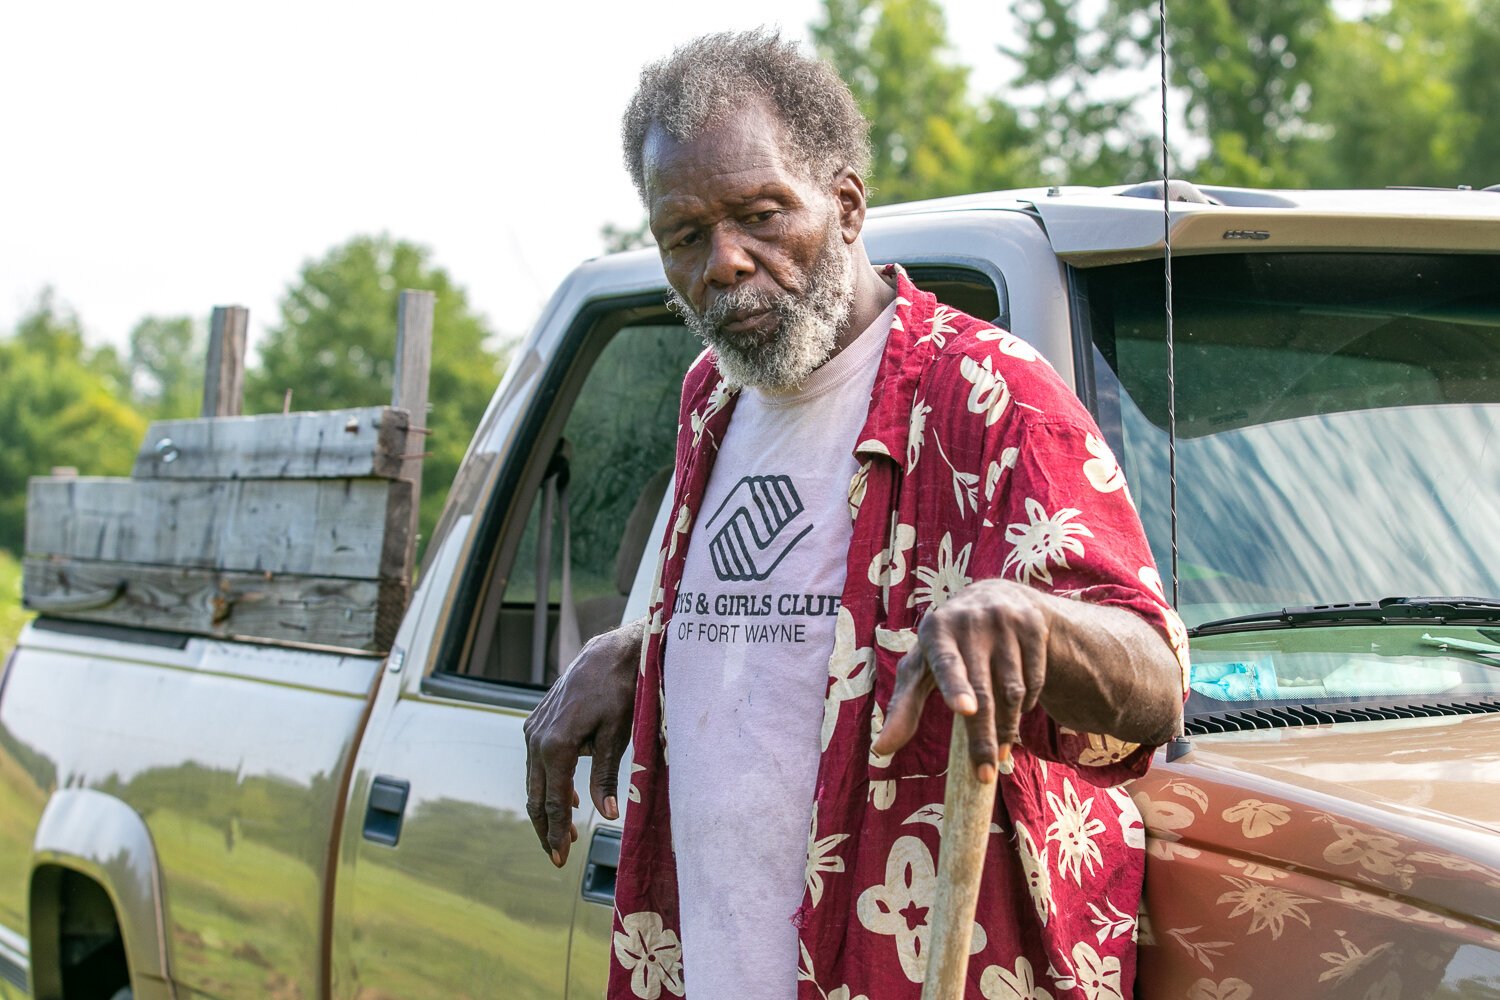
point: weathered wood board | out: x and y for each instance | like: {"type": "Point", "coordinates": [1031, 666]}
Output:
{"type": "Point", "coordinates": [353, 614]}
{"type": "Point", "coordinates": [354, 528]}
{"type": "Point", "coordinates": [414, 313]}
{"type": "Point", "coordinates": [320, 444]}
{"type": "Point", "coordinates": [224, 377]}
{"type": "Point", "coordinates": [287, 527]}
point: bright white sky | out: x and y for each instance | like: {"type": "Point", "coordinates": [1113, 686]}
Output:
{"type": "Point", "coordinates": [163, 157]}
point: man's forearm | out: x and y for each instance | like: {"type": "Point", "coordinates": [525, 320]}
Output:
{"type": "Point", "coordinates": [1108, 671]}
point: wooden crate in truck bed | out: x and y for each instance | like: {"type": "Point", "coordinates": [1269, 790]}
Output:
{"type": "Point", "coordinates": [294, 527]}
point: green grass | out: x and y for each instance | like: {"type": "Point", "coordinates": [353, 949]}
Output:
{"type": "Point", "coordinates": [11, 615]}
{"type": "Point", "coordinates": [21, 803]}
{"type": "Point", "coordinates": [242, 915]}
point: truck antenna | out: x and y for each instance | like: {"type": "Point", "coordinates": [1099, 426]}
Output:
{"type": "Point", "coordinates": [1166, 226]}
{"type": "Point", "coordinates": [1179, 744]}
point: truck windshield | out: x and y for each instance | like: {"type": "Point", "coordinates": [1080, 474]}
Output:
{"type": "Point", "coordinates": [1352, 665]}
{"type": "Point", "coordinates": [1338, 422]}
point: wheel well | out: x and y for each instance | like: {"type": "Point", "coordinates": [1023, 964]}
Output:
{"type": "Point", "coordinates": [77, 947]}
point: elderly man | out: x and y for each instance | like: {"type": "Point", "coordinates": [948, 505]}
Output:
{"type": "Point", "coordinates": [876, 496]}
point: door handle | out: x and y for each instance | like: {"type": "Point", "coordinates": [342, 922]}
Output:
{"type": "Point", "coordinates": [386, 807]}
{"type": "Point", "coordinates": [604, 862]}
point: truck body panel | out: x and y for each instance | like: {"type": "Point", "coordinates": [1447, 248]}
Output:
{"type": "Point", "coordinates": [269, 821]}
{"type": "Point", "coordinates": [235, 758]}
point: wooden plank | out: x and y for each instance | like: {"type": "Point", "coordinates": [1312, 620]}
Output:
{"type": "Point", "coordinates": [357, 528]}
{"type": "Point", "coordinates": [322, 444]}
{"type": "Point", "coordinates": [353, 614]}
{"type": "Point", "coordinates": [414, 313]}
{"type": "Point", "coordinates": [224, 379]}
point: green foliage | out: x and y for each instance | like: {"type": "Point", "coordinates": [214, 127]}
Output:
{"type": "Point", "coordinates": [60, 405]}
{"type": "Point", "coordinates": [12, 617]}
{"type": "Point", "coordinates": [619, 238]}
{"type": "Point", "coordinates": [1081, 108]}
{"type": "Point", "coordinates": [1479, 85]}
{"type": "Point", "coordinates": [930, 137]}
{"type": "Point", "coordinates": [1241, 69]}
{"type": "Point", "coordinates": [1246, 74]}
{"type": "Point", "coordinates": [166, 363]}
{"type": "Point", "coordinates": [1283, 94]}
{"type": "Point", "coordinates": [1393, 98]}
{"type": "Point", "coordinates": [1279, 94]}
{"type": "Point", "coordinates": [335, 347]}
{"type": "Point", "coordinates": [51, 330]}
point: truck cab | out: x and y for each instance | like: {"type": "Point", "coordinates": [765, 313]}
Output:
{"type": "Point", "coordinates": [259, 820]}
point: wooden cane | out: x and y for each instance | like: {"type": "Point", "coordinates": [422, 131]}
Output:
{"type": "Point", "coordinates": [968, 806]}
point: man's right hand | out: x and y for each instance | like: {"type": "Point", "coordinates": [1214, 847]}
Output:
{"type": "Point", "coordinates": [587, 712]}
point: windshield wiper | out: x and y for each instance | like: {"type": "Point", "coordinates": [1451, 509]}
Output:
{"type": "Point", "coordinates": [1387, 611]}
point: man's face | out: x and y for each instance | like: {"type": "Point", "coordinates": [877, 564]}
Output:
{"type": "Point", "coordinates": [755, 252]}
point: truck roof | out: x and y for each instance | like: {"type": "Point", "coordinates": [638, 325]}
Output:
{"type": "Point", "coordinates": [1099, 225]}
{"type": "Point", "coordinates": [1090, 226]}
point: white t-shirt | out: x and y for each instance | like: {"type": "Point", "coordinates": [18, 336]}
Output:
{"type": "Point", "coordinates": [746, 670]}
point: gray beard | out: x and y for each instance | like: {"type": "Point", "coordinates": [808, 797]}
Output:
{"type": "Point", "coordinates": [806, 337]}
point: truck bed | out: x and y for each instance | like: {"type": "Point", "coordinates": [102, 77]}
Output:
{"type": "Point", "coordinates": [233, 758]}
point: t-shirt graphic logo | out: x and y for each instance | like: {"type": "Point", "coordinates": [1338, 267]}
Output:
{"type": "Point", "coordinates": [759, 530]}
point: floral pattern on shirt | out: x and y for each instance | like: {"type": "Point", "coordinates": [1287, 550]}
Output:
{"type": "Point", "coordinates": [975, 462]}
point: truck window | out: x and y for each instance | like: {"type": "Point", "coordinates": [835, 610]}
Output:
{"type": "Point", "coordinates": [577, 520]}
{"type": "Point", "coordinates": [592, 492]}
{"type": "Point", "coordinates": [1338, 423]}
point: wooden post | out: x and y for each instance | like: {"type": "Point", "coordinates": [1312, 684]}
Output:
{"type": "Point", "coordinates": [414, 314]}
{"type": "Point", "coordinates": [967, 810]}
{"type": "Point", "coordinates": [224, 379]}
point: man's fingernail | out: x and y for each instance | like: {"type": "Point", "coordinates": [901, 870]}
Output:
{"type": "Point", "coordinates": [1007, 762]}
{"type": "Point", "coordinates": [611, 807]}
{"type": "Point", "coordinates": [966, 704]}
{"type": "Point", "coordinates": [986, 774]}
{"type": "Point", "coordinates": [556, 859]}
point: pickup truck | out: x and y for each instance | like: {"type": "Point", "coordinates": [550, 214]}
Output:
{"type": "Point", "coordinates": [184, 816]}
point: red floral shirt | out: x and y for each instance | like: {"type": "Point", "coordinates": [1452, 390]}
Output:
{"type": "Point", "coordinates": [976, 462]}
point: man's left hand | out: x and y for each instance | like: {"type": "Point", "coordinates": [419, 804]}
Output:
{"type": "Point", "coordinates": [986, 651]}
{"type": "Point", "coordinates": [997, 648]}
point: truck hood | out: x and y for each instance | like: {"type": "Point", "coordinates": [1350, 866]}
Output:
{"type": "Point", "coordinates": [1439, 771]}
{"type": "Point", "coordinates": [1400, 810]}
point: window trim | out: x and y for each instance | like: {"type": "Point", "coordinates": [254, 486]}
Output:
{"type": "Point", "coordinates": [951, 267]}
{"type": "Point", "coordinates": [1085, 351]}
{"type": "Point", "coordinates": [459, 687]}
{"type": "Point", "coordinates": [1082, 322]}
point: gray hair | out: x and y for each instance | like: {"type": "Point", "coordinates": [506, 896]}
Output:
{"type": "Point", "coordinates": [710, 78]}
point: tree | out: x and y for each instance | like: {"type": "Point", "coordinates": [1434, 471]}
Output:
{"type": "Point", "coordinates": [1082, 102]}
{"type": "Point", "coordinates": [619, 238]}
{"type": "Point", "coordinates": [1241, 69]}
{"type": "Point", "coordinates": [166, 365]}
{"type": "Point", "coordinates": [1479, 85]}
{"type": "Point", "coordinates": [51, 330]}
{"type": "Point", "coordinates": [1390, 95]}
{"type": "Point", "coordinates": [929, 136]}
{"type": "Point", "coordinates": [335, 347]}
{"type": "Point", "coordinates": [1246, 72]}
{"type": "Point", "coordinates": [60, 404]}
{"type": "Point", "coordinates": [1362, 93]}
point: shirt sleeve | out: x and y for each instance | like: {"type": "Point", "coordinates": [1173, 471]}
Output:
{"type": "Point", "coordinates": [1060, 518]}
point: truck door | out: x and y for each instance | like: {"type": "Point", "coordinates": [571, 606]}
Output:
{"type": "Point", "coordinates": [443, 889]}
